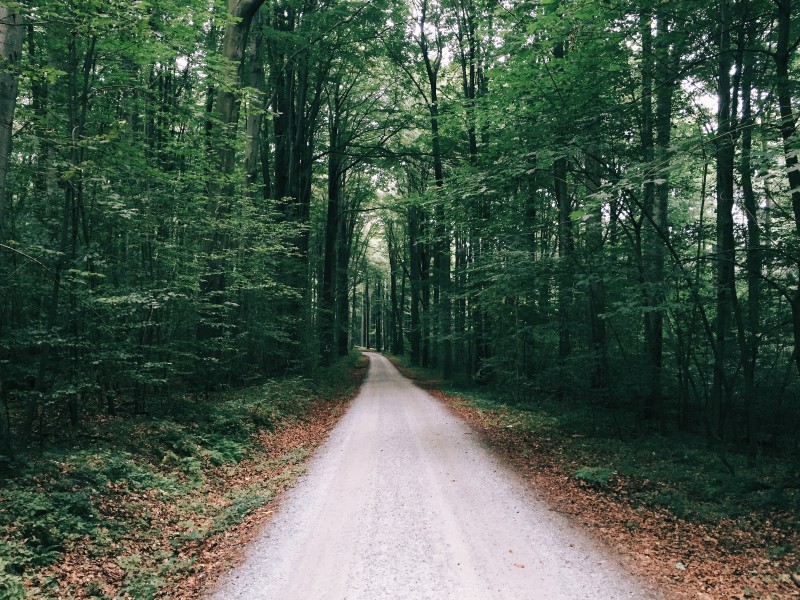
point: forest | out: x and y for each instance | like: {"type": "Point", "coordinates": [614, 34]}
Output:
{"type": "Point", "coordinates": [569, 198]}
{"type": "Point", "coordinates": [587, 203]}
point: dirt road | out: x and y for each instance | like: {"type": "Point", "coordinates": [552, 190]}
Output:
{"type": "Point", "coordinates": [403, 502]}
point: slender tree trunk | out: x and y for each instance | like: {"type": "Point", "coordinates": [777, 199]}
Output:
{"type": "Point", "coordinates": [401, 313]}
{"type": "Point", "coordinates": [566, 244]}
{"type": "Point", "coordinates": [479, 318]}
{"type": "Point", "coordinates": [327, 308]}
{"type": "Point", "coordinates": [441, 249]}
{"type": "Point", "coordinates": [725, 238]}
{"type": "Point", "coordinates": [255, 116]}
{"type": "Point", "coordinates": [783, 55]}
{"type": "Point", "coordinates": [753, 259]}
{"type": "Point", "coordinates": [353, 307]}
{"type": "Point", "coordinates": [367, 310]}
{"type": "Point", "coordinates": [565, 251]}
{"type": "Point", "coordinates": [73, 187]}
{"type": "Point", "coordinates": [378, 315]}
{"type": "Point", "coordinates": [468, 46]}
{"type": "Point", "coordinates": [415, 277]}
{"type": "Point", "coordinates": [460, 322]}
{"type": "Point", "coordinates": [344, 249]}
{"type": "Point", "coordinates": [656, 225]}
{"type": "Point", "coordinates": [394, 272]}
{"type": "Point", "coordinates": [595, 287]}
{"type": "Point", "coordinates": [11, 36]}
{"type": "Point", "coordinates": [652, 326]}
{"type": "Point", "coordinates": [441, 244]}
{"type": "Point", "coordinates": [425, 283]}
{"type": "Point", "coordinates": [342, 293]}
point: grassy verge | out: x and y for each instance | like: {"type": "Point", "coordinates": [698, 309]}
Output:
{"type": "Point", "coordinates": [135, 505]}
{"type": "Point", "coordinates": [702, 528]}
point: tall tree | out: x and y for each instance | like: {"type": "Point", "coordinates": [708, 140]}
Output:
{"type": "Point", "coordinates": [726, 246]}
{"type": "Point", "coordinates": [11, 36]}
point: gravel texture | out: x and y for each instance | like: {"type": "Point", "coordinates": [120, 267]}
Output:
{"type": "Point", "coordinates": [403, 502]}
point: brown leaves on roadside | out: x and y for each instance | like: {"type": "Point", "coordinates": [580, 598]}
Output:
{"type": "Point", "coordinates": [685, 559]}
{"type": "Point", "coordinates": [82, 574]}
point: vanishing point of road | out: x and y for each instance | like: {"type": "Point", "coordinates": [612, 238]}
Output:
{"type": "Point", "coordinates": [403, 502]}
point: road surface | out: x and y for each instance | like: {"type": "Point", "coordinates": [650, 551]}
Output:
{"type": "Point", "coordinates": [403, 502]}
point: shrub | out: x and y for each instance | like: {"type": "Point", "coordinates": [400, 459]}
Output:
{"type": "Point", "coordinates": [594, 475]}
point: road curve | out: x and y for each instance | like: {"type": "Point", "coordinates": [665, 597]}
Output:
{"type": "Point", "coordinates": [403, 502]}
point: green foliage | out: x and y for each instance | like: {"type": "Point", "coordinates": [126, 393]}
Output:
{"type": "Point", "coordinates": [594, 475]}
{"type": "Point", "coordinates": [10, 584]}
{"type": "Point", "coordinates": [144, 265]}
{"type": "Point", "coordinates": [78, 495]}
{"type": "Point", "coordinates": [47, 521]}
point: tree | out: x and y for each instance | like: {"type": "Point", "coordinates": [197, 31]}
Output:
{"type": "Point", "coordinates": [11, 34]}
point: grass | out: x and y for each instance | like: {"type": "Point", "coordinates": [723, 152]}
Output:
{"type": "Point", "coordinates": [136, 491]}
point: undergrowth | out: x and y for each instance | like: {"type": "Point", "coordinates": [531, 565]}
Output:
{"type": "Point", "coordinates": [116, 479]}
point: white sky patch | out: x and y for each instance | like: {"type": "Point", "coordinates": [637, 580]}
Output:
{"type": "Point", "coordinates": [701, 97]}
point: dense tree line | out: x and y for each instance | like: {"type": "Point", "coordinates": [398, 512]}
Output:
{"type": "Point", "coordinates": [613, 187]}
{"type": "Point", "coordinates": [572, 199]}
{"type": "Point", "coordinates": [156, 214]}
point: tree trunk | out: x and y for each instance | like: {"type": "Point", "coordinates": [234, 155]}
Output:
{"type": "Point", "coordinates": [367, 309]}
{"type": "Point", "coordinates": [415, 277]}
{"type": "Point", "coordinates": [595, 287]}
{"type": "Point", "coordinates": [460, 361]}
{"type": "Point", "coordinates": [327, 325]}
{"type": "Point", "coordinates": [425, 287]}
{"type": "Point", "coordinates": [11, 35]}
{"type": "Point", "coordinates": [753, 258]}
{"type": "Point", "coordinates": [342, 287]}
{"type": "Point", "coordinates": [234, 43]}
{"type": "Point", "coordinates": [441, 245]}
{"type": "Point", "coordinates": [469, 52]}
{"type": "Point", "coordinates": [396, 333]}
{"type": "Point", "coordinates": [657, 213]}
{"type": "Point", "coordinates": [220, 186]}
{"type": "Point", "coordinates": [378, 315]}
{"type": "Point", "coordinates": [566, 244]}
{"type": "Point", "coordinates": [255, 116]}
{"type": "Point", "coordinates": [725, 239]}
{"type": "Point", "coordinates": [652, 329]}
{"type": "Point", "coordinates": [73, 188]}
{"type": "Point", "coordinates": [344, 249]}
{"type": "Point", "coordinates": [783, 85]}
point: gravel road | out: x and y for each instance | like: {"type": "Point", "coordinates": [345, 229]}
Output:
{"type": "Point", "coordinates": [403, 502]}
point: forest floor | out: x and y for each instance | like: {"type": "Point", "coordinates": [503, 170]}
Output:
{"type": "Point", "coordinates": [678, 520]}
{"type": "Point", "coordinates": [156, 507]}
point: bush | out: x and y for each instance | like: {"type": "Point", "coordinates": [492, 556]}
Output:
{"type": "Point", "coordinates": [594, 475]}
